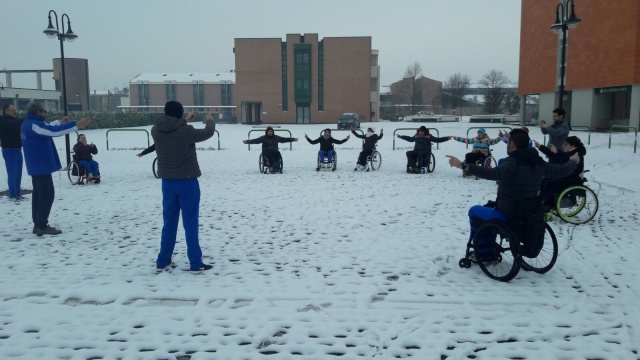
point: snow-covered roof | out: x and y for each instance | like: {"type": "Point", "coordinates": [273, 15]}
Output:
{"type": "Point", "coordinates": [229, 77]}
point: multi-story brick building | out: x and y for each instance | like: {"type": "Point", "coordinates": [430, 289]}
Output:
{"type": "Point", "coordinates": [415, 95]}
{"type": "Point", "coordinates": [305, 80]}
{"type": "Point", "coordinates": [602, 65]}
{"type": "Point", "coordinates": [196, 91]}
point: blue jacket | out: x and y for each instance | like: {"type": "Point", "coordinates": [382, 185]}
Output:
{"type": "Point", "coordinates": [40, 154]}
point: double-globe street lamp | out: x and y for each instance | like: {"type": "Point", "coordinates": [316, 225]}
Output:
{"type": "Point", "coordinates": [68, 35]}
{"type": "Point", "coordinates": [564, 22]}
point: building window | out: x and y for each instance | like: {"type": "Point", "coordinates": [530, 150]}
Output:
{"type": "Point", "coordinates": [302, 73]}
{"type": "Point", "coordinates": [285, 95]}
{"type": "Point", "coordinates": [226, 98]}
{"type": "Point", "coordinates": [303, 113]}
{"type": "Point", "coordinates": [198, 94]}
{"type": "Point", "coordinates": [321, 76]}
{"type": "Point", "coordinates": [143, 95]}
{"type": "Point", "coordinates": [170, 91]}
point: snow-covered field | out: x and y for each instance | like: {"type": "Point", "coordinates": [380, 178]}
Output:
{"type": "Point", "coordinates": [308, 265]}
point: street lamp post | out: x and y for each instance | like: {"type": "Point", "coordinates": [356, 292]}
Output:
{"type": "Point", "coordinates": [108, 100]}
{"type": "Point", "coordinates": [564, 22]}
{"type": "Point", "coordinates": [53, 32]}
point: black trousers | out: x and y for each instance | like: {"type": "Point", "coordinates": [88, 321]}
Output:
{"type": "Point", "coordinates": [362, 159]}
{"type": "Point", "coordinates": [414, 157]}
{"type": "Point", "coordinates": [472, 157]}
{"type": "Point", "coordinates": [42, 199]}
{"type": "Point", "coordinates": [273, 158]}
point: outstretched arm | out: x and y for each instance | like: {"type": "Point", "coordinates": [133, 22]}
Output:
{"type": "Point", "coordinates": [406, 138]}
{"type": "Point", "coordinates": [440, 139]}
{"type": "Point", "coordinates": [357, 135]}
{"type": "Point", "coordinates": [199, 135]}
{"type": "Point", "coordinates": [148, 150]}
{"type": "Point", "coordinates": [336, 141]}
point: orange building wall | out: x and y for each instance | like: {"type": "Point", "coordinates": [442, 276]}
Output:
{"type": "Point", "coordinates": [602, 51]}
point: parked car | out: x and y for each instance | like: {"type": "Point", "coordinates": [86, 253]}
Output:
{"type": "Point", "coordinates": [348, 121]}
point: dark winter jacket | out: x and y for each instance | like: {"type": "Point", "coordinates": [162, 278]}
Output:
{"type": "Point", "coordinates": [40, 153]}
{"type": "Point", "coordinates": [83, 152]}
{"type": "Point", "coordinates": [562, 157]}
{"type": "Point", "coordinates": [520, 177]}
{"type": "Point", "coordinates": [148, 150]}
{"type": "Point", "coordinates": [369, 141]}
{"type": "Point", "coordinates": [423, 143]}
{"type": "Point", "coordinates": [10, 132]}
{"type": "Point", "coordinates": [557, 132]}
{"type": "Point", "coordinates": [326, 144]}
{"type": "Point", "coordinates": [175, 143]}
{"type": "Point", "coordinates": [270, 143]}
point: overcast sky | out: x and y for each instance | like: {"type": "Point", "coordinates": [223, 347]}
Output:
{"type": "Point", "coordinates": [123, 38]}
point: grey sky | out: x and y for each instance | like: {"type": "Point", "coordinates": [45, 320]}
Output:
{"type": "Point", "coordinates": [123, 38]}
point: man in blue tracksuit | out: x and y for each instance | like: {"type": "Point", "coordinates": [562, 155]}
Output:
{"type": "Point", "coordinates": [41, 158]}
{"type": "Point", "coordinates": [11, 149]}
{"type": "Point", "coordinates": [175, 143]}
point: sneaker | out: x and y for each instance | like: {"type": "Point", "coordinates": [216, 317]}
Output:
{"type": "Point", "coordinates": [204, 267]}
{"type": "Point", "coordinates": [48, 230]}
{"type": "Point", "coordinates": [488, 258]}
{"type": "Point", "coordinates": [318, 168]}
{"type": "Point", "coordinates": [166, 268]}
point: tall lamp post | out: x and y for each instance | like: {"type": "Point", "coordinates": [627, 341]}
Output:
{"type": "Point", "coordinates": [564, 22]}
{"type": "Point", "coordinates": [52, 33]}
{"type": "Point", "coordinates": [108, 100]}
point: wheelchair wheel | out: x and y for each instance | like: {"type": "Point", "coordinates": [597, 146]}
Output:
{"type": "Point", "coordinates": [154, 167]}
{"type": "Point", "coordinates": [75, 172]}
{"type": "Point", "coordinates": [432, 164]}
{"type": "Point", "coordinates": [261, 164]}
{"type": "Point", "coordinates": [547, 256]}
{"type": "Point", "coordinates": [334, 161]}
{"type": "Point", "coordinates": [375, 160]}
{"type": "Point", "coordinates": [502, 262]}
{"type": "Point", "coordinates": [577, 204]}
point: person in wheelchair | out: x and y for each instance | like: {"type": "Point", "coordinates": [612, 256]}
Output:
{"type": "Point", "coordinates": [326, 146]}
{"type": "Point", "coordinates": [571, 146]}
{"type": "Point", "coordinates": [422, 148]}
{"type": "Point", "coordinates": [369, 146]}
{"type": "Point", "coordinates": [519, 178]}
{"type": "Point", "coordinates": [270, 150]}
{"type": "Point", "coordinates": [83, 154]}
{"type": "Point", "coordinates": [480, 149]}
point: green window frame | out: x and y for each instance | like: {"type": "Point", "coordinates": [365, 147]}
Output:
{"type": "Point", "coordinates": [302, 73]}
{"type": "Point", "coordinates": [321, 75]}
{"type": "Point", "coordinates": [285, 93]}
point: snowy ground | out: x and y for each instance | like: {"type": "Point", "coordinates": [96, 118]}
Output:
{"type": "Point", "coordinates": [313, 265]}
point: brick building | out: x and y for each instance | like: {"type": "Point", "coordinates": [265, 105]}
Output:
{"type": "Point", "coordinates": [602, 66]}
{"type": "Point", "coordinates": [304, 79]}
{"type": "Point", "coordinates": [424, 93]}
{"type": "Point", "coordinates": [196, 91]}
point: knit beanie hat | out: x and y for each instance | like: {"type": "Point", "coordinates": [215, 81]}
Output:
{"type": "Point", "coordinates": [173, 108]}
{"type": "Point", "coordinates": [483, 131]}
{"type": "Point", "coordinates": [424, 129]}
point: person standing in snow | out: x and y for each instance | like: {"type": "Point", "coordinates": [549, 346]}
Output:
{"type": "Point", "coordinates": [175, 143]}
{"type": "Point", "coordinates": [41, 158]}
{"type": "Point", "coordinates": [558, 131]}
{"type": "Point", "coordinates": [12, 149]}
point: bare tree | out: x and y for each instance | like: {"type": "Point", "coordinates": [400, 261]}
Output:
{"type": "Point", "coordinates": [410, 92]}
{"type": "Point", "coordinates": [512, 103]}
{"type": "Point", "coordinates": [457, 86]}
{"type": "Point", "coordinates": [494, 82]}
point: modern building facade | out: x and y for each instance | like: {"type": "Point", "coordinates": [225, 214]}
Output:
{"type": "Point", "coordinates": [77, 82]}
{"type": "Point", "coordinates": [304, 79]}
{"type": "Point", "coordinates": [602, 61]}
{"type": "Point", "coordinates": [212, 92]}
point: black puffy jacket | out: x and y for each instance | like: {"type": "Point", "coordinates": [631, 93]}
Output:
{"type": "Point", "coordinates": [520, 176]}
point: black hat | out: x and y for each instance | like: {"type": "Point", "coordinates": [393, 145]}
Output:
{"type": "Point", "coordinates": [173, 108]}
{"type": "Point", "coordinates": [424, 129]}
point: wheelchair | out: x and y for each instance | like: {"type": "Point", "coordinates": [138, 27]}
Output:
{"type": "Point", "coordinates": [506, 254]}
{"type": "Point", "coordinates": [427, 166]}
{"type": "Point", "coordinates": [154, 168]}
{"type": "Point", "coordinates": [77, 174]}
{"type": "Point", "coordinates": [374, 161]}
{"type": "Point", "coordinates": [487, 161]}
{"type": "Point", "coordinates": [577, 204]}
{"type": "Point", "coordinates": [325, 164]}
{"type": "Point", "coordinates": [265, 167]}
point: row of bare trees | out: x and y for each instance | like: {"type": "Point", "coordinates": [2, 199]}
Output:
{"type": "Point", "coordinates": [457, 86]}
